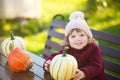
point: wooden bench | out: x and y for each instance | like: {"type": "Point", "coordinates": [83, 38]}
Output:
{"type": "Point", "coordinates": [111, 55]}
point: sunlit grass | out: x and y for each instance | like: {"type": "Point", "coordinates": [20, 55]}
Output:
{"type": "Point", "coordinates": [36, 43]}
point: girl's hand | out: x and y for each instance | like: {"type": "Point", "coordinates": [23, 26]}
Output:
{"type": "Point", "coordinates": [79, 75]}
{"type": "Point", "coordinates": [47, 65]}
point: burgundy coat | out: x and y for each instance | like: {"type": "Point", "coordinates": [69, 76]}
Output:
{"type": "Point", "coordinates": [89, 61]}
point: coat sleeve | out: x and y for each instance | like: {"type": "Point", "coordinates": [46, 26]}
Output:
{"type": "Point", "coordinates": [95, 65]}
{"type": "Point", "coordinates": [51, 57]}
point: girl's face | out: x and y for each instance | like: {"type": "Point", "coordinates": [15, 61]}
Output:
{"type": "Point", "coordinates": [78, 39]}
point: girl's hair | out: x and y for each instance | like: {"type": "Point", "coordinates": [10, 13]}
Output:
{"type": "Point", "coordinates": [66, 41]}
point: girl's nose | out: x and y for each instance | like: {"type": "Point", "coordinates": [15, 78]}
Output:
{"type": "Point", "coordinates": [78, 38]}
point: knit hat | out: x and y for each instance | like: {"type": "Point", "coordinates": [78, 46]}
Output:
{"type": "Point", "coordinates": [77, 21]}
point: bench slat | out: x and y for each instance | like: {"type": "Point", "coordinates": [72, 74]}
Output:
{"type": "Point", "coordinates": [3, 74]}
{"type": "Point", "coordinates": [110, 51]}
{"type": "Point", "coordinates": [106, 36]}
{"type": "Point", "coordinates": [47, 52]}
{"type": "Point", "coordinates": [36, 59]}
{"type": "Point", "coordinates": [115, 67]}
{"type": "Point", "coordinates": [56, 34]}
{"type": "Point", "coordinates": [53, 44]}
{"type": "Point", "coordinates": [111, 77]}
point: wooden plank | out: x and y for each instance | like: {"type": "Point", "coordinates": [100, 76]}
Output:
{"type": "Point", "coordinates": [110, 51]}
{"type": "Point", "coordinates": [58, 35]}
{"type": "Point", "coordinates": [115, 67]}
{"type": "Point", "coordinates": [1, 78]}
{"type": "Point", "coordinates": [47, 52]}
{"type": "Point", "coordinates": [106, 36]}
{"type": "Point", "coordinates": [22, 75]}
{"type": "Point", "coordinates": [111, 77]}
{"type": "Point", "coordinates": [3, 75]}
{"type": "Point", "coordinates": [36, 59]}
{"type": "Point", "coordinates": [3, 60]}
{"type": "Point", "coordinates": [52, 44]}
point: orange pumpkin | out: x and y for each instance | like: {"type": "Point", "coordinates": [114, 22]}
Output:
{"type": "Point", "coordinates": [18, 60]}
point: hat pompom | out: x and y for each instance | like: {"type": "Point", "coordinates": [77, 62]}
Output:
{"type": "Point", "coordinates": [76, 15]}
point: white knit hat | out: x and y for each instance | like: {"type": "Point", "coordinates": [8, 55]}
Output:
{"type": "Point", "coordinates": [77, 21]}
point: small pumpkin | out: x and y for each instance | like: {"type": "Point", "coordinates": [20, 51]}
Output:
{"type": "Point", "coordinates": [63, 66]}
{"type": "Point", "coordinates": [12, 42]}
{"type": "Point", "coordinates": [18, 60]}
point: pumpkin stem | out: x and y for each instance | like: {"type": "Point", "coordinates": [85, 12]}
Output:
{"type": "Point", "coordinates": [12, 35]}
{"type": "Point", "coordinates": [29, 66]}
{"type": "Point", "coordinates": [64, 51]}
{"type": "Point", "coordinates": [11, 46]}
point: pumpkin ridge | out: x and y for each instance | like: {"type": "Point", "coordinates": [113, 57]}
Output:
{"type": "Point", "coordinates": [26, 59]}
{"type": "Point", "coordinates": [13, 67]}
{"type": "Point", "coordinates": [10, 63]}
{"type": "Point", "coordinates": [66, 69]}
{"type": "Point", "coordinates": [73, 69]}
{"type": "Point", "coordinates": [21, 59]}
{"type": "Point", "coordinates": [13, 44]}
{"type": "Point", "coordinates": [25, 55]}
{"type": "Point", "coordinates": [59, 70]}
{"type": "Point", "coordinates": [21, 44]}
{"type": "Point", "coordinates": [21, 65]}
{"type": "Point", "coordinates": [21, 62]}
{"type": "Point", "coordinates": [6, 48]}
{"type": "Point", "coordinates": [54, 65]}
{"type": "Point", "coordinates": [64, 61]}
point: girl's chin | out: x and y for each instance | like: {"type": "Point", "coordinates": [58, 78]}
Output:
{"type": "Point", "coordinates": [77, 47]}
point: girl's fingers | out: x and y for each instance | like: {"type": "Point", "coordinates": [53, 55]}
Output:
{"type": "Point", "coordinates": [48, 61]}
{"type": "Point", "coordinates": [77, 76]}
{"type": "Point", "coordinates": [46, 68]}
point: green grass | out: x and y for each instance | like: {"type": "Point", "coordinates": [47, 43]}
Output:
{"type": "Point", "coordinates": [36, 43]}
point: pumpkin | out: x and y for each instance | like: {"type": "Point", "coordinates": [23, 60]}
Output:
{"type": "Point", "coordinates": [11, 43]}
{"type": "Point", "coordinates": [63, 66]}
{"type": "Point", "coordinates": [18, 60]}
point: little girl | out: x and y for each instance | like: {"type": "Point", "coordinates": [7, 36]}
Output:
{"type": "Point", "coordinates": [83, 47]}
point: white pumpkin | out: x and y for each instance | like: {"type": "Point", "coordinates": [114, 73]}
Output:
{"type": "Point", "coordinates": [11, 43]}
{"type": "Point", "coordinates": [63, 67]}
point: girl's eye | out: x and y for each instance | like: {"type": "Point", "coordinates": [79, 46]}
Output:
{"type": "Point", "coordinates": [82, 35]}
{"type": "Point", "coordinates": [73, 36]}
